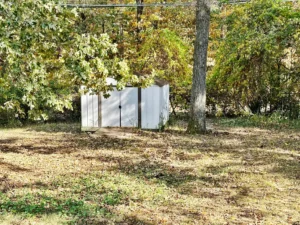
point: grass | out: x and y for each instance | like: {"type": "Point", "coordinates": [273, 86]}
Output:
{"type": "Point", "coordinates": [275, 121]}
{"type": "Point", "coordinates": [237, 174]}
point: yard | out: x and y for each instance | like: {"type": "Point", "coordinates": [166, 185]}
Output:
{"type": "Point", "coordinates": [54, 174]}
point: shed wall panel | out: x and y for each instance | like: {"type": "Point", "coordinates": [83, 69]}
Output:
{"type": "Point", "coordinates": [90, 122]}
{"type": "Point", "coordinates": [129, 110]}
{"type": "Point", "coordinates": [155, 108]}
{"type": "Point", "coordinates": [168, 101]}
{"type": "Point", "coordinates": [150, 107]}
{"type": "Point", "coordinates": [95, 110]}
{"type": "Point", "coordinates": [84, 112]}
{"type": "Point", "coordinates": [165, 104]}
{"type": "Point", "coordinates": [89, 110]}
{"type": "Point", "coordinates": [110, 109]}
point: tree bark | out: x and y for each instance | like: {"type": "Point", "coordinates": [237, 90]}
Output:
{"type": "Point", "coordinates": [139, 12]}
{"type": "Point", "coordinates": [197, 121]}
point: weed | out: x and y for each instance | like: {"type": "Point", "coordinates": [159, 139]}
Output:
{"type": "Point", "coordinates": [40, 204]}
{"type": "Point", "coordinates": [275, 121]}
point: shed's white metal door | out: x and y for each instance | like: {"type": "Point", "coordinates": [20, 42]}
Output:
{"type": "Point", "coordinates": [110, 109]}
{"type": "Point", "coordinates": [129, 107]}
{"type": "Point", "coordinates": [150, 107]}
{"type": "Point", "coordinates": [89, 110]}
{"type": "Point", "coordinates": [164, 114]}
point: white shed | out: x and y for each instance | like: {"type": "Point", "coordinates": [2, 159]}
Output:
{"type": "Point", "coordinates": [147, 108]}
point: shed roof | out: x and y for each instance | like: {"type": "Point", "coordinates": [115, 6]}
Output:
{"type": "Point", "coordinates": [158, 82]}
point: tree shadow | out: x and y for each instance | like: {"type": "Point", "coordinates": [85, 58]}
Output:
{"type": "Point", "coordinates": [6, 145]}
{"type": "Point", "coordinates": [167, 158]}
{"type": "Point", "coordinates": [7, 184]}
{"type": "Point", "coordinates": [13, 167]}
{"type": "Point", "coordinates": [36, 148]}
{"type": "Point", "coordinates": [289, 167]}
{"type": "Point", "coordinates": [169, 175]}
{"type": "Point", "coordinates": [8, 141]}
{"type": "Point", "coordinates": [105, 221]}
{"type": "Point", "coordinates": [251, 150]}
{"type": "Point", "coordinates": [73, 128]}
{"type": "Point", "coordinates": [134, 220]}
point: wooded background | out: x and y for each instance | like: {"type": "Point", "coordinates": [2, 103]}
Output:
{"type": "Point", "coordinates": [47, 51]}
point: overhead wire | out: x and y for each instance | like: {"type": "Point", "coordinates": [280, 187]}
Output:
{"type": "Point", "coordinates": [174, 4]}
{"type": "Point", "coordinates": [130, 5]}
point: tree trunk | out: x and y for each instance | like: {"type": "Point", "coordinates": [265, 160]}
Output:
{"type": "Point", "coordinates": [197, 119]}
{"type": "Point", "coordinates": [139, 12]}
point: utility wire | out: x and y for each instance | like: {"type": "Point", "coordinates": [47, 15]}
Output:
{"type": "Point", "coordinates": [187, 4]}
{"type": "Point", "coordinates": [130, 5]}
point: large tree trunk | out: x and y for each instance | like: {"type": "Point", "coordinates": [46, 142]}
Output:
{"type": "Point", "coordinates": [197, 122]}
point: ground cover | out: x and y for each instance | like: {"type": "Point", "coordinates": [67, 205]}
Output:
{"type": "Point", "coordinates": [54, 174]}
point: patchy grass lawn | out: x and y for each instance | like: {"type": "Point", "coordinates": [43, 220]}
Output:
{"type": "Point", "coordinates": [54, 174]}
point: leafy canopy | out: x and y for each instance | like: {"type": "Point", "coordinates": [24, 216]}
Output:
{"type": "Point", "coordinates": [45, 54]}
{"type": "Point", "coordinates": [258, 56]}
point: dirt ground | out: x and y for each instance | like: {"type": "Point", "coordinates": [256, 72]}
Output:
{"type": "Point", "coordinates": [54, 174]}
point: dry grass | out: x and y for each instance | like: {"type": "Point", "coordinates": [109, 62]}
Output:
{"type": "Point", "coordinates": [53, 174]}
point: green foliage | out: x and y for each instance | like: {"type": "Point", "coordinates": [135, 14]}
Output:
{"type": "Point", "coordinates": [45, 54]}
{"type": "Point", "coordinates": [166, 53]}
{"type": "Point", "coordinates": [37, 205]}
{"type": "Point", "coordinates": [112, 199]}
{"type": "Point", "coordinates": [161, 49]}
{"type": "Point", "coordinates": [169, 56]}
{"type": "Point", "coordinates": [256, 63]}
{"type": "Point", "coordinates": [275, 121]}
{"type": "Point", "coordinates": [8, 119]}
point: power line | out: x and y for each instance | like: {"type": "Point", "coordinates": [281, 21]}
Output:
{"type": "Point", "coordinates": [184, 4]}
{"type": "Point", "coordinates": [130, 5]}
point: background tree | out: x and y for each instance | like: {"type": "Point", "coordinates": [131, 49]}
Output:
{"type": "Point", "coordinates": [45, 54]}
{"type": "Point", "coordinates": [258, 57]}
{"type": "Point", "coordinates": [165, 43]}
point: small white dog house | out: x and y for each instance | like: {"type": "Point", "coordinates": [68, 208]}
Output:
{"type": "Point", "coordinates": [146, 108]}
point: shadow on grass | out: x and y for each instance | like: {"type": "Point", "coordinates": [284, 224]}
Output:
{"type": "Point", "coordinates": [64, 147]}
{"type": "Point", "coordinates": [134, 220]}
{"type": "Point", "coordinates": [13, 167]}
{"type": "Point", "coordinates": [8, 141]}
{"type": "Point", "coordinates": [169, 175]}
{"type": "Point", "coordinates": [152, 156]}
{"type": "Point", "coordinates": [252, 149]}
{"type": "Point", "coordinates": [289, 167]}
{"type": "Point", "coordinates": [128, 220]}
{"type": "Point", "coordinates": [7, 145]}
{"type": "Point", "coordinates": [73, 128]}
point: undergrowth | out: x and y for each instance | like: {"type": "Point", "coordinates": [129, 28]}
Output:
{"type": "Point", "coordinates": [275, 121]}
